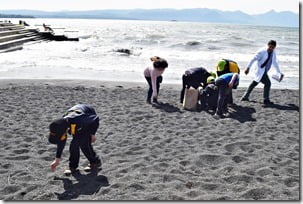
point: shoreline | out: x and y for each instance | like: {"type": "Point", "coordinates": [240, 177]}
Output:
{"type": "Point", "coordinates": [150, 152]}
{"type": "Point", "coordinates": [97, 83]}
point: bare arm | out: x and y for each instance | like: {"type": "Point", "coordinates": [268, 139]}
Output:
{"type": "Point", "coordinates": [232, 81]}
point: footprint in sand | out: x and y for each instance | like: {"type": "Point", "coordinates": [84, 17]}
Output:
{"type": "Point", "coordinates": [6, 166]}
{"type": "Point", "coordinates": [257, 194]}
{"type": "Point", "coordinates": [210, 186]}
{"type": "Point", "coordinates": [18, 158]}
{"type": "Point", "coordinates": [238, 159]}
{"type": "Point", "coordinates": [47, 158]}
{"type": "Point", "coordinates": [21, 151]}
{"type": "Point", "coordinates": [292, 171]}
{"type": "Point", "coordinates": [193, 194]}
{"type": "Point", "coordinates": [137, 187]}
{"type": "Point", "coordinates": [238, 179]}
{"type": "Point", "coordinates": [210, 160]}
{"type": "Point", "coordinates": [10, 189]}
{"type": "Point", "coordinates": [264, 171]}
{"type": "Point", "coordinates": [237, 145]}
{"type": "Point", "coordinates": [41, 151]}
{"type": "Point", "coordinates": [291, 182]}
{"type": "Point", "coordinates": [184, 162]}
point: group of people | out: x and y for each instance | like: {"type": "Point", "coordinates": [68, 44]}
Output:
{"type": "Point", "coordinates": [216, 92]}
{"type": "Point", "coordinates": [82, 121]}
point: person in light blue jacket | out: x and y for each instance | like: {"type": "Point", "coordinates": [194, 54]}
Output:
{"type": "Point", "coordinates": [265, 58]}
{"type": "Point", "coordinates": [225, 84]}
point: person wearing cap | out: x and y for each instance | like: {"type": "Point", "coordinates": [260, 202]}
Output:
{"type": "Point", "coordinates": [194, 77]}
{"type": "Point", "coordinates": [82, 122]}
{"type": "Point", "coordinates": [153, 76]}
{"type": "Point", "coordinates": [225, 84]}
{"type": "Point", "coordinates": [209, 95]}
{"type": "Point", "coordinates": [265, 58]}
{"type": "Point", "coordinates": [227, 66]}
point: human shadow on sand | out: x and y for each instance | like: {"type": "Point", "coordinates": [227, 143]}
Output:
{"type": "Point", "coordinates": [283, 107]}
{"type": "Point", "coordinates": [85, 184]}
{"type": "Point", "coordinates": [289, 106]}
{"type": "Point", "coordinates": [242, 113]}
{"type": "Point", "coordinates": [166, 107]}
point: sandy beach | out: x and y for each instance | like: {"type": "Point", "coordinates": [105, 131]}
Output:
{"type": "Point", "coordinates": [158, 152]}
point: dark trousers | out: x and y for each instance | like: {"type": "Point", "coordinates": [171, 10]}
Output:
{"type": "Point", "coordinates": [267, 84]}
{"type": "Point", "coordinates": [230, 99]}
{"type": "Point", "coordinates": [82, 142]}
{"type": "Point", "coordinates": [224, 92]}
{"type": "Point", "coordinates": [150, 89]}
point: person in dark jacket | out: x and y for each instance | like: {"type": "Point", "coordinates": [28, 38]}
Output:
{"type": "Point", "coordinates": [194, 77]}
{"type": "Point", "coordinates": [209, 95]}
{"type": "Point", "coordinates": [80, 121]}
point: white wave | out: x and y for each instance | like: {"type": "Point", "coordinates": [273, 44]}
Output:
{"type": "Point", "coordinates": [93, 57]}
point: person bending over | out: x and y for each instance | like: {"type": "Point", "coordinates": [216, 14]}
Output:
{"type": "Point", "coordinates": [225, 84]}
{"type": "Point", "coordinates": [225, 66]}
{"type": "Point", "coordinates": [82, 122]}
{"type": "Point", "coordinates": [153, 76]}
{"type": "Point", "coordinates": [194, 77]}
{"type": "Point", "coordinates": [209, 95]}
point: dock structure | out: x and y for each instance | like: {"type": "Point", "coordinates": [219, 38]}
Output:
{"type": "Point", "coordinates": [13, 36]}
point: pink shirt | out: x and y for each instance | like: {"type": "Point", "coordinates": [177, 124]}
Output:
{"type": "Point", "coordinates": [153, 74]}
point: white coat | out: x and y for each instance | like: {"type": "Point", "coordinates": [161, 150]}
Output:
{"type": "Point", "coordinates": [261, 57]}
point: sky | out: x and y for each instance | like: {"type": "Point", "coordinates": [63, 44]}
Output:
{"type": "Point", "coordinates": [250, 6]}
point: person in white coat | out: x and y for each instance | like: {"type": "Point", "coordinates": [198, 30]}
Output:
{"type": "Point", "coordinates": [265, 58]}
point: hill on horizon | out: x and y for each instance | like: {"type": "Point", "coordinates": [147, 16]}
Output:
{"type": "Point", "coordinates": [271, 18]}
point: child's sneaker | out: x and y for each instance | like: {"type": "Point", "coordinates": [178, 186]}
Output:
{"type": "Point", "coordinates": [69, 171]}
{"type": "Point", "coordinates": [93, 166]}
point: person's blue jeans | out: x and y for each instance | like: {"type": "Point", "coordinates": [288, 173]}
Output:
{"type": "Point", "coordinates": [224, 91]}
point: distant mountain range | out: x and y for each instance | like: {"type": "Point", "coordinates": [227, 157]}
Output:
{"type": "Point", "coordinates": [271, 18]}
{"type": "Point", "coordinates": [14, 16]}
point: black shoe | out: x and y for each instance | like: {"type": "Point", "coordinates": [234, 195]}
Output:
{"type": "Point", "coordinates": [155, 100]}
{"type": "Point", "coordinates": [148, 101]}
{"type": "Point", "coordinates": [268, 102]}
{"type": "Point", "coordinates": [244, 99]}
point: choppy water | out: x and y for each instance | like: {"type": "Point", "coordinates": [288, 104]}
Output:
{"type": "Point", "coordinates": [183, 44]}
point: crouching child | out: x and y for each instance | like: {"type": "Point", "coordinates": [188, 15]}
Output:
{"type": "Point", "coordinates": [81, 122]}
{"type": "Point", "coordinates": [209, 95]}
